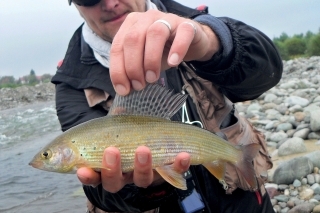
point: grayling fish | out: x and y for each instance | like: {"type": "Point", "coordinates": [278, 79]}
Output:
{"type": "Point", "coordinates": [143, 119]}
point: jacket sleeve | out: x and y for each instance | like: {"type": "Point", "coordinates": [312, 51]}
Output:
{"type": "Point", "coordinates": [246, 70]}
{"type": "Point", "coordinates": [72, 107]}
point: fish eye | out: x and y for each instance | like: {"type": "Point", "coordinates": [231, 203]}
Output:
{"type": "Point", "coordinates": [46, 154]}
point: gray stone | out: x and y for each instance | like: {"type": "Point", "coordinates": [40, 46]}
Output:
{"type": "Point", "coordinates": [292, 169]}
{"type": "Point", "coordinates": [278, 136]}
{"type": "Point", "coordinates": [296, 100]}
{"type": "Point", "coordinates": [317, 178]}
{"type": "Point", "coordinates": [302, 126]}
{"type": "Point", "coordinates": [314, 135]}
{"type": "Point", "coordinates": [304, 181]}
{"type": "Point", "coordinates": [253, 108]}
{"type": "Point", "coordinates": [282, 109]}
{"type": "Point", "coordinates": [310, 179]}
{"type": "Point", "coordinates": [284, 210]}
{"type": "Point", "coordinates": [272, 124]}
{"type": "Point", "coordinates": [282, 198]}
{"type": "Point", "coordinates": [314, 157]}
{"type": "Point", "coordinates": [295, 108]}
{"type": "Point", "coordinates": [294, 193]}
{"type": "Point", "coordinates": [302, 133]}
{"type": "Point", "coordinates": [302, 208]}
{"type": "Point", "coordinates": [317, 197]}
{"type": "Point", "coordinates": [315, 121]}
{"type": "Point", "coordinates": [282, 187]}
{"type": "Point", "coordinates": [315, 185]}
{"type": "Point", "coordinates": [270, 98]}
{"type": "Point", "coordinates": [284, 127]}
{"type": "Point", "coordinates": [271, 144]}
{"type": "Point", "coordinates": [317, 191]}
{"type": "Point", "coordinates": [273, 114]}
{"type": "Point", "coordinates": [296, 183]}
{"type": "Point", "coordinates": [292, 146]}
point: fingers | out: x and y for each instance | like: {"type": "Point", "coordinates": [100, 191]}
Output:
{"type": "Point", "coordinates": [143, 172]}
{"type": "Point", "coordinates": [112, 178]}
{"type": "Point", "coordinates": [183, 39]}
{"type": "Point", "coordinates": [150, 42]}
{"type": "Point", "coordinates": [88, 177]}
{"type": "Point", "coordinates": [182, 162]}
{"type": "Point", "coordinates": [127, 52]}
{"type": "Point", "coordinates": [157, 35]}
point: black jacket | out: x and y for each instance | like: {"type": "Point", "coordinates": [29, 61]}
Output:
{"type": "Point", "coordinates": [255, 67]}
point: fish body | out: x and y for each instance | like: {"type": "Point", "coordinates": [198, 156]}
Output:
{"type": "Point", "coordinates": [83, 145]}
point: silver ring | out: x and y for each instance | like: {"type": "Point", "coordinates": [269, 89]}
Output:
{"type": "Point", "coordinates": [193, 26]}
{"type": "Point", "coordinates": [165, 23]}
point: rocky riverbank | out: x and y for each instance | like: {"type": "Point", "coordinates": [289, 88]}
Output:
{"type": "Point", "coordinates": [11, 98]}
{"type": "Point", "coordinates": [288, 115]}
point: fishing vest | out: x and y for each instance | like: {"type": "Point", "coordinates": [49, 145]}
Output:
{"type": "Point", "coordinates": [218, 114]}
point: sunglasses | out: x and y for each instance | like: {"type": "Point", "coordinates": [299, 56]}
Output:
{"type": "Point", "coordinates": [85, 3]}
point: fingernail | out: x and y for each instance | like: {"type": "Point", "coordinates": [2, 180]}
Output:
{"type": "Point", "coordinates": [136, 85]}
{"type": "Point", "coordinates": [174, 59]}
{"type": "Point", "coordinates": [110, 158]}
{"type": "Point", "coordinates": [120, 89]}
{"type": "Point", "coordinates": [151, 76]}
{"type": "Point", "coordinates": [185, 162]}
{"type": "Point", "coordinates": [142, 158]}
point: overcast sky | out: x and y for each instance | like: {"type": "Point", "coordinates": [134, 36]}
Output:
{"type": "Point", "coordinates": [34, 34]}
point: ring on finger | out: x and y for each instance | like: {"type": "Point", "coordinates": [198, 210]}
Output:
{"type": "Point", "coordinates": [193, 26]}
{"type": "Point", "coordinates": [165, 23]}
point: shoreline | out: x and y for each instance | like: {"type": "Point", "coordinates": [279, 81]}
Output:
{"type": "Point", "coordinates": [11, 98]}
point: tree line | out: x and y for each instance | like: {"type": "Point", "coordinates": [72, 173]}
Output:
{"type": "Point", "coordinates": [31, 79]}
{"type": "Point", "coordinates": [290, 47]}
{"type": "Point", "coordinates": [298, 45]}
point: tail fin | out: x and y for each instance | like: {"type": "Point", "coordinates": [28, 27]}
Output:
{"type": "Point", "coordinates": [245, 164]}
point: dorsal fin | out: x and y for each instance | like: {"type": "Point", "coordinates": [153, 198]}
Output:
{"type": "Point", "coordinates": [154, 100]}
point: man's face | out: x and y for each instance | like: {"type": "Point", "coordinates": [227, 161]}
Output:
{"type": "Point", "coordinates": [106, 17]}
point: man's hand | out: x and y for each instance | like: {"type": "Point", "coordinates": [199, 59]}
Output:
{"type": "Point", "coordinates": [143, 175]}
{"type": "Point", "coordinates": [144, 46]}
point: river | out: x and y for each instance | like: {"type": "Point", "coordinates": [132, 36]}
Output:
{"type": "Point", "coordinates": [23, 132]}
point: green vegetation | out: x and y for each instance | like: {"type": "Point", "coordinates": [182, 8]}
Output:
{"type": "Point", "coordinates": [31, 79]}
{"type": "Point", "coordinates": [299, 45]}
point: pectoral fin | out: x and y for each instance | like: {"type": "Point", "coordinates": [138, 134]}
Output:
{"type": "Point", "coordinates": [97, 166]}
{"type": "Point", "coordinates": [171, 176]}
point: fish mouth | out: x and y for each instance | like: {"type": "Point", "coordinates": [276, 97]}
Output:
{"type": "Point", "coordinates": [36, 164]}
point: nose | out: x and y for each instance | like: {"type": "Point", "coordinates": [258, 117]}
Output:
{"type": "Point", "coordinates": [109, 5]}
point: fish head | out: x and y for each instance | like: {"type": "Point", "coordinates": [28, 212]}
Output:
{"type": "Point", "coordinates": [56, 157]}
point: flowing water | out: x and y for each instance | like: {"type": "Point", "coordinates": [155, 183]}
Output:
{"type": "Point", "coordinates": [23, 132]}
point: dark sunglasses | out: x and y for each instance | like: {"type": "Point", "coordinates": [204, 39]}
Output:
{"type": "Point", "coordinates": [85, 3]}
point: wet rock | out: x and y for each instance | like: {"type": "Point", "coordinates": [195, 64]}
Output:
{"type": "Point", "coordinates": [293, 169]}
{"type": "Point", "coordinates": [302, 208]}
{"type": "Point", "coordinates": [291, 146]}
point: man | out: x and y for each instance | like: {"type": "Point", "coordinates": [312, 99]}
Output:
{"type": "Point", "coordinates": [125, 44]}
